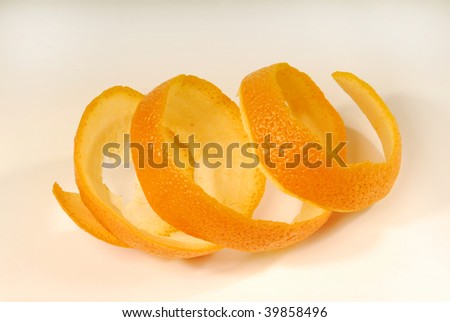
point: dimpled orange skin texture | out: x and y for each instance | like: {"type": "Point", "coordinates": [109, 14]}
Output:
{"type": "Point", "coordinates": [182, 203]}
{"type": "Point", "coordinates": [275, 98]}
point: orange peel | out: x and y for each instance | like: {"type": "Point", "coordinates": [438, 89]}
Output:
{"type": "Point", "coordinates": [105, 120]}
{"type": "Point", "coordinates": [80, 214]}
{"type": "Point", "coordinates": [285, 103]}
{"type": "Point", "coordinates": [187, 105]}
{"type": "Point", "coordinates": [190, 211]}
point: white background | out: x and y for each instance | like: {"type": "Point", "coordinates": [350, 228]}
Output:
{"type": "Point", "coordinates": [57, 56]}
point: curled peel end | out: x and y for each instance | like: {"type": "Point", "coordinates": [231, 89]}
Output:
{"type": "Point", "coordinates": [376, 110]}
{"type": "Point", "coordinates": [381, 176]}
{"type": "Point", "coordinates": [74, 207]}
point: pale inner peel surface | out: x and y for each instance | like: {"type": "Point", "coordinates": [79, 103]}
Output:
{"type": "Point", "coordinates": [232, 185]}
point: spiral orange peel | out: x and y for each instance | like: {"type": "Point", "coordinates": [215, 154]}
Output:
{"type": "Point", "coordinates": [185, 212]}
